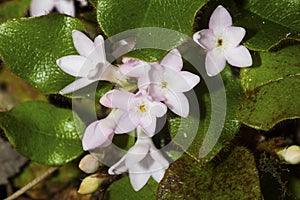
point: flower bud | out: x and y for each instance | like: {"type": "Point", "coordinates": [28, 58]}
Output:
{"type": "Point", "coordinates": [89, 164]}
{"type": "Point", "coordinates": [91, 183]}
{"type": "Point", "coordinates": [291, 154]}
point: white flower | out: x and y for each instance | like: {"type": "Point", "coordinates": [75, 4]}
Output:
{"type": "Point", "coordinates": [221, 41]}
{"type": "Point", "coordinates": [44, 7]}
{"type": "Point", "coordinates": [291, 154]}
{"type": "Point", "coordinates": [139, 110]}
{"type": "Point", "coordinates": [141, 161]}
{"type": "Point", "coordinates": [168, 82]}
{"type": "Point", "coordinates": [91, 65]}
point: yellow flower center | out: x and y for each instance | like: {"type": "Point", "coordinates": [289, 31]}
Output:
{"type": "Point", "coordinates": [164, 84]}
{"type": "Point", "coordinates": [143, 108]}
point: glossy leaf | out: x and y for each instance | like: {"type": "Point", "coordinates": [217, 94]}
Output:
{"type": "Point", "coordinates": [182, 128]}
{"type": "Point", "coordinates": [13, 9]}
{"type": "Point", "coordinates": [236, 177]}
{"type": "Point", "coordinates": [284, 12]}
{"type": "Point", "coordinates": [122, 190]}
{"type": "Point", "coordinates": [29, 48]}
{"type": "Point", "coordinates": [272, 89]}
{"type": "Point", "coordinates": [269, 22]}
{"type": "Point", "coordinates": [44, 133]}
{"type": "Point", "coordinates": [117, 16]}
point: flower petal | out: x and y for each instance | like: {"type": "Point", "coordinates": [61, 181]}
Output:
{"type": "Point", "coordinates": [158, 109]}
{"type": "Point", "coordinates": [106, 101]}
{"type": "Point", "coordinates": [99, 54]}
{"type": "Point", "coordinates": [178, 103]}
{"type": "Point", "coordinates": [219, 20]}
{"type": "Point", "coordinates": [158, 157]}
{"type": "Point", "coordinates": [158, 174]}
{"type": "Point", "coordinates": [134, 67]}
{"type": "Point", "coordinates": [82, 43]}
{"type": "Point", "coordinates": [105, 72]}
{"type": "Point", "coordinates": [65, 7]}
{"type": "Point", "coordinates": [156, 92]}
{"type": "Point", "coordinates": [117, 99]}
{"type": "Point", "coordinates": [98, 134]}
{"type": "Point", "coordinates": [173, 60]}
{"type": "Point", "coordinates": [239, 57]}
{"type": "Point", "coordinates": [125, 124]}
{"type": "Point", "coordinates": [38, 7]}
{"type": "Point", "coordinates": [156, 79]}
{"type": "Point", "coordinates": [136, 154]}
{"type": "Point", "coordinates": [138, 180]}
{"type": "Point", "coordinates": [73, 65]}
{"type": "Point", "coordinates": [190, 78]}
{"type": "Point", "coordinates": [148, 124]}
{"type": "Point", "coordinates": [119, 167]}
{"type": "Point", "coordinates": [176, 82]}
{"type": "Point", "coordinates": [114, 116]}
{"type": "Point", "coordinates": [214, 62]}
{"type": "Point", "coordinates": [206, 39]}
{"type": "Point", "coordinates": [76, 85]}
{"type": "Point", "coordinates": [233, 35]}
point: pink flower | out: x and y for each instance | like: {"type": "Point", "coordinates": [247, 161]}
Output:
{"type": "Point", "coordinates": [221, 41]}
{"type": "Point", "coordinates": [168, 82]}
{"type": "Point", "coordinates": [141, 161]}
{"type": "Point", "coordinates": [91, 65]}
{"type": "Point", "coordinates": [100, 133]}
{"type": "Point", "coordinates": [139, 108]}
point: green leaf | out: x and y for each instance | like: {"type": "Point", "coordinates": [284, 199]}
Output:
{"type": "Point", "coordinates": [13, 9]}
{"type": "Point", "coordinates": [272, 89]}
{"type": "Point", "coordinates": [208, 128]}
{"type": "Point", "coordinates": [283, 12]}
{"type": "Point", "coordinates": [234, 178]}
{"type": "Point", "coordinates": [269, 22]}
{"type": "Point", "coordinates": [116, 16]}
{"type": "Point", "coordinates": [29, 48]}
{"type": "Point", "coordinates": [43, 132]}
{"type": "Point", "coordinates": [122, 190]}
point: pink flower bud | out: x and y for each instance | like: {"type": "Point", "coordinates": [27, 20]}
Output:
{"type": "Point", "coordinates": [89, 164]}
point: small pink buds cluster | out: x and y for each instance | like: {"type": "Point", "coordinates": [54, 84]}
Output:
{"type": "Point", "coordinates": [159, 86]}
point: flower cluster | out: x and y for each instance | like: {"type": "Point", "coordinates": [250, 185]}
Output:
{"type": "Point", "coordinates": [159, 85]}
{"type": "Point", "coordinates": [154, 87]}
